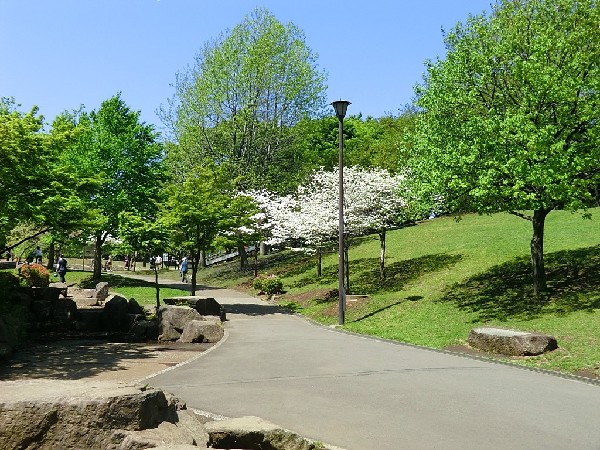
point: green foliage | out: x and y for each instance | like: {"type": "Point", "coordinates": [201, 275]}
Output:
{"type": "Point", "coordinates": [34, 275]}
{"type": "Point", "coordinates": [268, 284]}
{"type": "Point", "coordinates": [237, 104]}
{"type": "Point", "coordinates": [8, 282]}
{"type": "Point", "coordinates": [114, 147]}
{"type": "Point", "coordinates": [25, 165]}
{"type": "Point", "coordinates": [510, 119]}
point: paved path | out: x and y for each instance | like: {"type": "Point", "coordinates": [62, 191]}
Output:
{"type": "Point", "coordinates": [361, 393]}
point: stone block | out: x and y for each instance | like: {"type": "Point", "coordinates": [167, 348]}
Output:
{"type": "Point", "coordinates": [253, 432]}
{"type": "Point", "coordinates": [206, 306]}
{"type": "Point", "coordinates": [172, 320]}
{"type": "Point", "coordinates": [202, 331]}
{"type": "Point", "coordinates": [101, 291]}
{"type": "Point", "coordinates": [115, 316]}
{"type": "Point", "coordinates": [511, 342]}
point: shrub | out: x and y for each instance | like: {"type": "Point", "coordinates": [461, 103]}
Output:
{"type": "Point", "coordinates": [35, 275]}
{"type": "Point", "coordinates": [268, 284]}
{"type": "Point", "coordinates": [8, 281]}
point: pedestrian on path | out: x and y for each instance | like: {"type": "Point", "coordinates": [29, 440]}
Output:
{"type": "Point", "coordinates": [61, 268]}
{"type": "Point", "coordinates": [183, 267]}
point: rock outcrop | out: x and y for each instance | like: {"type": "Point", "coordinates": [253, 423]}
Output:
{"type": "Point", "coordinates": [88, 415]}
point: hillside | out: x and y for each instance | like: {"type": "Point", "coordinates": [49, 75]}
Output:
{"type": "Point", "coordinates": [445, 277]}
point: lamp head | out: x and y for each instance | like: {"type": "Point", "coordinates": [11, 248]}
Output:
{"type": "Point", "coordinates": [340, 107]}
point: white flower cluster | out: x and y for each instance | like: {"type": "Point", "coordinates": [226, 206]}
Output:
{"type": "Point", "coordinates": [374, 200]}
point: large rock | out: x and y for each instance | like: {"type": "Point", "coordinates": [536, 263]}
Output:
{"type": "Point", "coordinates": [187, 430]}
{"type": "Point", "coordinates": [77, 414]}
{"type": "Point", "coordinates": [511, 342]}
{"type": "Point", "coordinates": [145, 329]}
{"type": "Point", "coordinates": [206, 306]}
{"type": "Point", "coordinates": [172, 320]}
{"type": "Point", "coordinates": [206, 330]}
{"type": "Point", "coordinates": [254, 433]}
{"type": "Point", "coordinates": [115, 315]}
{"type": "Point", "coordinates": [101, 292]}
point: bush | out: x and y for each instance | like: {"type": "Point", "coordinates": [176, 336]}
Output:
{"type": "Point", "coordinates": [35, 275]}
{"type": "Point", "coordinates": [268, 284]}
{"type": "Point", "coordinates": [8, 281]}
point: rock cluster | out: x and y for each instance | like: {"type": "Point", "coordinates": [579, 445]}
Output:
{"type": "Point", "coordinates": [74, 415]}
{"type": "Point", "coordinates": [184, 324]}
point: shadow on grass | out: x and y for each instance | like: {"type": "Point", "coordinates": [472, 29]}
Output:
{"type": "Point", "coordinates": [506, 291]}
{"type": "Point", "coordinates": [364, 273]}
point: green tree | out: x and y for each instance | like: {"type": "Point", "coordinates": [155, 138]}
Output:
{"type": "Point", "coordinates": [237, 105]}
{"type": "Point", "coordinates": [510, 117]}
{"type": "Point", "coordinates": [24, 165]}
{"type": "Point", "coordinates": [149, 236]}
{"type": "Point", "coordinates": [194, 212]}
{"type": "Point", "coordinates": [40, 192]}
{"type": "Point", "coordinates": [127, 157]}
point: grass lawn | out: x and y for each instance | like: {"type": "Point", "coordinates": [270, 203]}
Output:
{"type": "Point", "coordinates": [446, 277]}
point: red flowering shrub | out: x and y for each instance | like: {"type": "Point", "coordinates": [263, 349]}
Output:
{"type": "Point", "coordinates": [35, 275]}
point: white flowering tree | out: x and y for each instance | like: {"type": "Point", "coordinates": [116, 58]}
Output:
{"type": "Point", "coordinates": [374, 200]}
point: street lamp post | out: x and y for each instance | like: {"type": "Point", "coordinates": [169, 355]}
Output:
{"type": "Point", "coordinates": [340, 107]}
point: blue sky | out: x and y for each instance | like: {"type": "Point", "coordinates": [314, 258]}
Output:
{"type": "Point", "coordinates": [60, 54]}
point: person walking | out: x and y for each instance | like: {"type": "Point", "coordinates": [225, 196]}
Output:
{"type": "Point", "coordinates": [61, 268]}
{"type": "Point", "coordinates": [183, 267]}
{"type": "Point", "coordinates": [38, 255]}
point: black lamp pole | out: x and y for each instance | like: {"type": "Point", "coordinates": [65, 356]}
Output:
{"type": "Point", "coordinates": [340, 107]}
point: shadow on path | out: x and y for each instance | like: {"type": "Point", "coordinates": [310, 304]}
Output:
{"type": "Point", "coordinates": [74, 360]}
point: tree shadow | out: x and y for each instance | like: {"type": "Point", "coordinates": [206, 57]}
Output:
{"type": "Point", "coordinates": [364, 273]}
{"type": "Point", "coordinates": [253, 309]}
{"type": "Point", "coordinates": [74, 360]}
{"type": "Point", "coordinates": [506, 291]}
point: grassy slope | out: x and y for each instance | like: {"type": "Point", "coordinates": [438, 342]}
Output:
{"type": "Point", "coordinates": [447, 277]}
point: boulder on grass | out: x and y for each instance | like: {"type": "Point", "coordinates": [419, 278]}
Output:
{"type": "Point", "coordinates": [101, 291]}
{"type": "Point", "coordinates": [511, 342]}
{"type": "Point", "coordinates": [206, 330]}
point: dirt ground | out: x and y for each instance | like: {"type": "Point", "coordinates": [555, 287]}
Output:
{"type": "Point", "coordinates": [96, 360]}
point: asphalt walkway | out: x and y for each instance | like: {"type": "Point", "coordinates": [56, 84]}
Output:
{"type": "Point", "coordinates": [361, 393]}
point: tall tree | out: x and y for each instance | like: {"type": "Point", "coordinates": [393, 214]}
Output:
{"type": "Point", "coordinates": [200, 208]}
{"type": "Point", "coordinates": [126, 155]}
{"type": "Point", "coordinates": [510, 118]}
{"type": "Point", "coordinates": [24, 165]}
{"type": "Point", "coordinates": [248, 87]}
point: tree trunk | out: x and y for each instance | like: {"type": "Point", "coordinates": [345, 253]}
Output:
{"type": "Point", "coordinates": [194, 263]}
{"type": "Point", "coordinates": [157, 289]}
{"type": "Point", "coordinates": [202, 259]}
{"type": "Point", "coordinates": [382, 255]}
{"type": "Point", "coordinates": [264, 249]}
{"type": "Point", "coordinates": [319, 262]}
{"type": "Point", "coordinates": [50, 265]}
{"type": "Point", "coordinates": [243, 257]}
{"type": "Point", "coordinates": [347, 263]}
{"type": "Point", "coordinates": [256, 259]}
{"type": "Point", "coordinates": [99, 241]}
{"type": "Point", "coordinates": [537, 251]}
